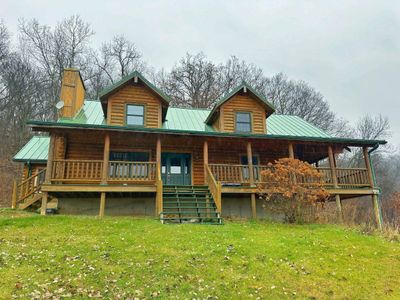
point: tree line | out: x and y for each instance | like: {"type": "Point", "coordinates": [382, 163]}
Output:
{"type": "Point", "coordinates": [32, 63]}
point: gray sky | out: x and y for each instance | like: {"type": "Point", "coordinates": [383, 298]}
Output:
{"type": "Point", "coordinates": [348, 50]}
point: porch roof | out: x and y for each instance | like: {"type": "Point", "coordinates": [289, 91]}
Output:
{"type": "Point", "coordinates": [35, 150]}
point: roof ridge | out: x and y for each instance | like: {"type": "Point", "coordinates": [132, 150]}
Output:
{"type": "Point", "coordinates": [191, 108]}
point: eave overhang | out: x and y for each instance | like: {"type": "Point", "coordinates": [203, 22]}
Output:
{"type": "Point", "coordinates": [49, 126]}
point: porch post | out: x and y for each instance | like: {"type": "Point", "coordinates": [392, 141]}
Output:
{"type": "Point", "coordinates": [159, 200]}
{"type": "Point", "coordinates": [205, 159]}
{"type": "Point", "coordinates": [332, 164]}
{"type": "Point", "coordinates": [14, 195]}
{"type": "Point", "coordinates": [250, 163]}
{"type": "Point", "coordinates": [102, 204]}
{"type": "Point", "coordinates": [291, 150]}
{"type": "Point", "coordinates": [50, 156]}
{"type": "Point", "coordinates": [251, 179]}
{"type": "Point", "coordinates": [375, 197]}
{"type": "Point", "coordinates": [158, 152]}
{"type": "Point", "coordinates": [106, 158]}
{"type": "Point", "coordinates": [368, 166]}
{"type": "Point", "coordinates": [44, 203]}
{"type": "Point", "coordinates": [49, 173]}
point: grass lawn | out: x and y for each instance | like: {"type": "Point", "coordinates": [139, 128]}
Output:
{"type": "Point", "coordinates": [118, 257]}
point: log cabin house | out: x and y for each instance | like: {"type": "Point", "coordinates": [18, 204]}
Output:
{"type": "Point", "coordinates": [130, 153]}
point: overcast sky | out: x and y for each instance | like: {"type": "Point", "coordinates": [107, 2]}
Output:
{"type": "Point", "coordinates": [348, 50]}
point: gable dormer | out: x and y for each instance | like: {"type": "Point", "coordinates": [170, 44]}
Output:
{"type": "Point", "coordinates": [243, 110]}
{"type": "Point", "coordinates": [134, 101]}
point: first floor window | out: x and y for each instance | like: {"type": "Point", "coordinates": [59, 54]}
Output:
{"type": "Point", "coordinates": [134, 115]}
{"type": "Point", "coordinates": [243, 122]}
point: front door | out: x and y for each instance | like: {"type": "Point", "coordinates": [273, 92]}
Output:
{"type": "Point", "coordinates": [176, 168]}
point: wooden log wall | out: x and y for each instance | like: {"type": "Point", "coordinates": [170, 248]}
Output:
{"type": "Point", "coordinates": [134, 93]}
{"type": "Point", "coordinates": [242, 102]}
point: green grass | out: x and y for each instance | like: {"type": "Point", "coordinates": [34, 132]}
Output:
{"type": "Point", "coordinates": [132, 257]}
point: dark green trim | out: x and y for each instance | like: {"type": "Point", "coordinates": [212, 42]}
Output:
{"type": "Point", "coordinates": [35, 161]}
{"type": "Point", "coordinates": [45, 124]}
{"type": "Point", "coordinates": [270, 107]}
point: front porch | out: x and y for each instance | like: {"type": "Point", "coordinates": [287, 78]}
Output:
{"type": "Point", "coordinates": [224, 165]}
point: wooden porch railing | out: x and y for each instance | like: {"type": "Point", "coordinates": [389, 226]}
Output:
{"type": "Point", "coordinates": [346, 177]}
{"type": "Point", "coordinates": [69, 170]}
{"type": "Point", "coordinates": [132, 171]}
{"type": "Point", "coordinates": [215, 188]}
{"type": "Point", "coordinates": [29, 186]}
{"type": "Point", "coordinates": [66, 170]}
{"type": "Point", "coordinates": [230, 173]}
{"type": "Point", "coordinates": [239, 174]}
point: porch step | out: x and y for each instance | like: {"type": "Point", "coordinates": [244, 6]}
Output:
{"type": "Point", "coordinates": [189, 204]}
{"type": "Point", "coordinates": [30, 201]}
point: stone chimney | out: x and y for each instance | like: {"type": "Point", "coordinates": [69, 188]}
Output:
{"type": "Point", "coordinates": [72, 93]}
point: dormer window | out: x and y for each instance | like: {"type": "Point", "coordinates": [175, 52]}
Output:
{"type": "Point", "coordinates": [243, 122]}
{"type": "Point", "coordinates": [134, 115]}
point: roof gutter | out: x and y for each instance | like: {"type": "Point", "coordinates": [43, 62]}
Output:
{"type": "Point", "coordinates": [376, 146]}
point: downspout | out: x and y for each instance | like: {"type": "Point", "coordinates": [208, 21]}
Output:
{"type": "Point", "coordinates": [374, 179]}
{"type": "Point", "coordinates": [370, 161]}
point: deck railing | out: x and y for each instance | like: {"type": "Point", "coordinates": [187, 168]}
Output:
{"type": "Point", "coordinates": [346, 177]}
{"type": "Point", "coordinates": [214, 186]}
{"type": "Point", "coordinates": [239, 175]}
{"type": "Point", "coordinates": [230, 173]}
{"type": "Point", "coordinates": [30, 186]}
{"type": "Point", "coordinates": [132, 171]}
{"type": "Point", "coordinates": [91, 171]}
{"type": "Point", "coordinates": [66, 170]}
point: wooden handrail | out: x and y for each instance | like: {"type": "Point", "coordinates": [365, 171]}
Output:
{"type": "Point", "coordinates": [76, 170]}
{"type": "Point", "coordinates": [132, 171]}
{"type": "Point", "coordinates": [31, 185]}
{"type": "Point", "coordinates": [159, 192]}
{"type": "Point", "coordinates": [85, 170]}
{"type": "Point", "coordinates": [215, 188]}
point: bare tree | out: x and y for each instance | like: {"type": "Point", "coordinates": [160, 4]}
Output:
{"type": "Point", "coordinates": [193, 82]}
{"type": "Point", "coordinates": [52, 50]}
{"type": "Point", "coordinates": [114, 60]}
{"type": "Point", "coordinates": [196, 81]}
{"type": "Point", "coordinates": [4, 40]}
{"type": "Point", "coordinates": [372, 128]}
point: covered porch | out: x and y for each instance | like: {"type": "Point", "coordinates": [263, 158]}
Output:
{"type": "Point", "coordinates": [104, 161]}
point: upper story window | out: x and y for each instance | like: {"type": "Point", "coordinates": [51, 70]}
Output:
{"type": "Point", "coordinates": [243, 122]}
{"type": "Point", "coordinates": [134, 115]}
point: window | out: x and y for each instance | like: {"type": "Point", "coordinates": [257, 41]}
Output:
{"type": "Point", "coordinates": [129, 156]}
{"type": "Point", "coordinates": [134, 115]}
{"type": "Point", "coordinates": [243, 122]}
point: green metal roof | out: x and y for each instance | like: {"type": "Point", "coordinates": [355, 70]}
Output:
{"type": "Point", "coordinates": [195, 120]}
{"type": "Point", "coordinates": [182, 121]}
{"type": "Point", "coordinates": [224, 98]}
{"type": "Point", "coordinates": [128, 77]}
{"type": "Point", "coordinates": [35, 150]}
